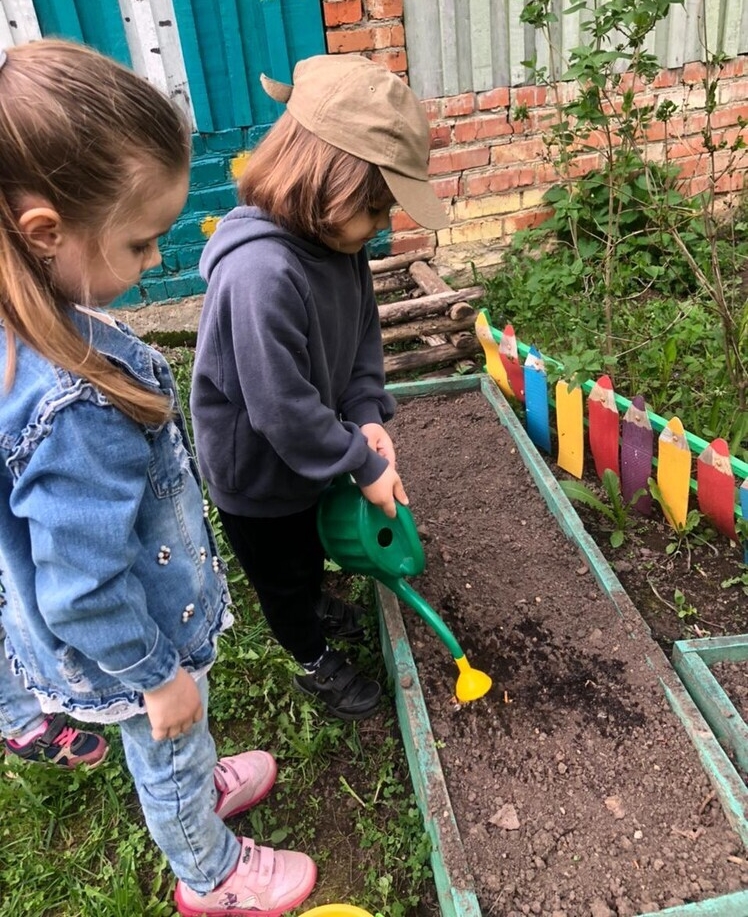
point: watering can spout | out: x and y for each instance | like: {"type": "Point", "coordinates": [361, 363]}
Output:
{"type": "Point", "coordinates": [360, 538]}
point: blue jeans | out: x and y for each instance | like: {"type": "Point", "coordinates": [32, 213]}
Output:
{"type": "Point", "coordinates": [19, 708]}
{"type": "Point", "coordinates": [174, 781]}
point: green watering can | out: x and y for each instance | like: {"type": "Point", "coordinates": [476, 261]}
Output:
{"type": "Point", "coordinates": [360, 538]}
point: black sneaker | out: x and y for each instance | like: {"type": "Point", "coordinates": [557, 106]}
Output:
{"type": "Point", "coordinates": [346, 693]}
{"type": "Point", "coordinates": [340, 621]}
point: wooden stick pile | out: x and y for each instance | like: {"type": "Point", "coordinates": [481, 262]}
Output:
{"type": "Point", "coordinates": [432, 315]}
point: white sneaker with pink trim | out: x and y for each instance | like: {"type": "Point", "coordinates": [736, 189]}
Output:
{"type": "Point", "coordinates": [242, 781]}
{"type": "Point", "coordinates": [265, 883]}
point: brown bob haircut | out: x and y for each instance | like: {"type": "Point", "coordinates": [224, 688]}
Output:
{"type": "Point", "coordinates": [308, 186]}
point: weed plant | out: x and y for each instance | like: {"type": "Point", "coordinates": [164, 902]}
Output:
{"type": "Point", "coordinates": [75, 844]}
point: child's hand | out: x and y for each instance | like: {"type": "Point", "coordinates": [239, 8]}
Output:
{"type": "Point", "coordinates": [385, 490]}
{"type": "Point", "coordinates": [174, 708]}
{"type": "Point", "coordinates": [379, 440]}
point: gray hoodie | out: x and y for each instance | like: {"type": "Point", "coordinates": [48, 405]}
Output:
{"type": "Point", "coordinates": [288, 367]}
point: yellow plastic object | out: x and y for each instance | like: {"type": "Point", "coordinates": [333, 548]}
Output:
{"type": "Point", "coordinates": [570, 426]}
{"type": "Point", "coordinates": [674, 472]}
{"type": "Point", "coordinates": [336, 910]}
{"type": "Point", "coordinates": [471, 683]}
{"type": "Point", "coordinates": [494, 366]}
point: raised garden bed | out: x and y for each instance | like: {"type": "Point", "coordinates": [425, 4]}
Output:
{"type": "Point", "coordinates": [573, 788]}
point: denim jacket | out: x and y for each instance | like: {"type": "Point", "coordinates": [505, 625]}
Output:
{"type": "Point", "coordinates": [109, 573]}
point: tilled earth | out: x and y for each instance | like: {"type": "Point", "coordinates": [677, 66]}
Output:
{"type": "Point", "coordinates": [575, 787]}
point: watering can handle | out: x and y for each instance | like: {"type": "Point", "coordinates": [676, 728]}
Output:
{"type": "Point", "coordinates": [409, 595]}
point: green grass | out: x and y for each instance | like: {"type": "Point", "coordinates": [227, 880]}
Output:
{"type": "Point", "coordinates": [75, 844]}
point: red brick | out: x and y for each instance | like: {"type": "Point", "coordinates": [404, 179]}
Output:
{"type": "Point", "coordinates": [455, 160]}
{"type": "Point", "coordinates": [665, 79]}
{"type": "Point", "coordinates": [499, 181]}
{"type": "Point", "coordinates": [517, 151]}
{"type": "Point", "coordinates": [729, 182]}
{"type": "Point", "coordinates": [459, 105]}
{"type": "Point", "coordinates": [396, 59]}
{"type": "Point", "coordinates": [694, 72]}
{"type": "Point", "coordinates": [402, 244]}
{"type": "Point", "coordinates": [583, 164]}
{"type": "Point", "coordinates": [401, 222]}
{"type": "Point", "coordinates": [384, 9]}
{"type": "Point", "coordinates": [727, 115]}
{"type": "Point", "coordinates": [481, 128]}
{"type": "Point", "coordinates": [446, 188]}
{"type": "Point", "coordinates": [527, 220]}
{"type": "Point", "coordinates": [690, 147]}
{"type": "Point", "coordinates": [529, 95]}
{"type": "Point", "coordinates": [342, 12]}
{"type": "Point", "coordinates": [345, 41]}
{"type": "Point", "coordinates": [441, 136]}
{"type": "Point", "coordinates": [433, 109]}
{"type": "Point", "coordinates": [494, 98]}
{"type": "Point", "coordinates": [689, 166]}
{"type": "Point", "coordinates": [738, 66]}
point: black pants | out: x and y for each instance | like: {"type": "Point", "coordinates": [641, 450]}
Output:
{"type": "Point", "coordinates": [285, 561]}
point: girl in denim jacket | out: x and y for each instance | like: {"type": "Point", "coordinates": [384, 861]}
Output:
{"type": "Point", "coordinates": [112, 596]}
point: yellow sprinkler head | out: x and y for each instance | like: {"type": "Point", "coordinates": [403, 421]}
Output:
{"type": "Point", "coordinates": [471, 683]}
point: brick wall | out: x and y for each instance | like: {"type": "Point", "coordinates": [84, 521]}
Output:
{"type": "Point", "coordinates": [491, 168]}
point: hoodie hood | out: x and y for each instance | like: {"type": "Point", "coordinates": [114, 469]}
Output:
{"type": "Point", "coordinates": [248, 224]}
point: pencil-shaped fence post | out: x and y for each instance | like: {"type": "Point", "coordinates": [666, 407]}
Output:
{"type": "Point", "coordinates": [674, 472]}
{"type": "Point", "coordinates": [744, 510]}
{"type": "Point", "coordinates": [716, 487]}
{"type": "Point", "coordinates": [637, 450]}
{"type": "Point", "coordinates": [536, 400]}
{"type": "Point", "coordinates": [603, 426]}
{"type": "Point", "coordinates": [570, 428]}
{"type": "Point", "coordinates": [510, 359]}
{"type": "Point", "coordinates": [494, 364]}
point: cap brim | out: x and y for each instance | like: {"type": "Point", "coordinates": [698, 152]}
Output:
{"type": "Point", "coordinates": [281, 92]}
{"type": "Point", "coordinates": [417, 198]}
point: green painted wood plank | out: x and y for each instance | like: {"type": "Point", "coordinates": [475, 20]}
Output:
{"type": "Point", "coordinates": [719, 769]}
{"type": "Point", "coordinates": [305, 31]}
{"type": "Point", "coordinates": [236, 87]}
{"type": "Point", "coordinates": [451, 384]}
{"type": "Point", "coordinates": [714, 704]}
{"type": "Point", "coordinates": [102, 27]}
{"type": "Point", "coordinates": [716, 649]}
{"type": "Point", "coordinates": [193, 62]}
{"type": "Point", "coordinates": [59, 20]}
{"type": "Point", "coordinates": [733, 905]}
{"type": "Point", "coordinates": [425, 769]}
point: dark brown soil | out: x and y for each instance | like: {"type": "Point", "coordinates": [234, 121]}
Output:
{"type": "Point", "coordinates": [576, 789]}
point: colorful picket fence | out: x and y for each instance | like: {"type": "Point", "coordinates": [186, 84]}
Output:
{"type": "Point", "coordinates": [621, 435]}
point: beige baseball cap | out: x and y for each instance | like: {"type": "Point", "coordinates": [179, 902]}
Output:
{"type": "Point", "coordinates": [364, 109]}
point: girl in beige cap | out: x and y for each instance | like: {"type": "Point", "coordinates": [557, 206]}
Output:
{"type": "Point", "coordinates": [288, 390]}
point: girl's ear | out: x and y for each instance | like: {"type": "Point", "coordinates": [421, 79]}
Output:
{"type": "Point", "coordinates": [41, 224]}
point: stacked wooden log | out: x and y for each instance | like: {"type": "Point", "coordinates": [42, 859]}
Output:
{"type": "Point", "coordinates": [431, 315]}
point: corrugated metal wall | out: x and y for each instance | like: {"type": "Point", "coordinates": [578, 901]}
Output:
{"type": "Point", "coordinates": [459, 46]}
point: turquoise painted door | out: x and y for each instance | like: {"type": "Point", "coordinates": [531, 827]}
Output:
{"type": "Point", "coordinates": [227, 44]}
{"type": "Point", "coordinates": [98, 24]}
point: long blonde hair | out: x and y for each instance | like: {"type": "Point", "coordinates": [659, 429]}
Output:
{"type": "Point", "coordinates": [84, 133]}
{"type": "Point", "coordinates": [308, 186]}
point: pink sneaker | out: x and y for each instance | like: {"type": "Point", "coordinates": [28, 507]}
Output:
{"type": "Point", "coordinates": [62, 745]}
{"type": "Point", "coordinates": [265, 883]}
{"type": "Point", "coordinates": [242, 781]}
